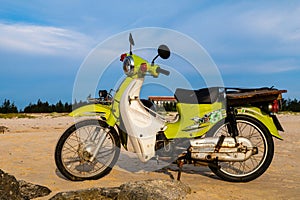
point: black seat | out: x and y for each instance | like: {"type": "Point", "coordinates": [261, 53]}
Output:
{"type": "Point", "coordinates": [201, 96]}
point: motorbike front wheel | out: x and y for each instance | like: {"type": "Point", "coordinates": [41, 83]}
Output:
{"type": "Point", "coordinates": [257, 164]}
{"type": "Point", "coordinates": [75, 155]}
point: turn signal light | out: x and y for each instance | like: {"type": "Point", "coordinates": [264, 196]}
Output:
{"type": "Point", "coordinates": [123, 56]}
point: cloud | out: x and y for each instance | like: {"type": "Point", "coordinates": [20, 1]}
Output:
{"type": "Point", "coordinates": [247, 33]}
{"type": "Point", "coordinates": [43, 40]}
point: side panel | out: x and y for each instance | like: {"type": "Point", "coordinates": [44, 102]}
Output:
{"type": "Point", "coordinates": [195, 120]}
{"type": "Point", "coordinates": [262, 117]}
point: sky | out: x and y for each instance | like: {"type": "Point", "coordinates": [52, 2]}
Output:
{"type": "Point", "coordinates": [44, 43]}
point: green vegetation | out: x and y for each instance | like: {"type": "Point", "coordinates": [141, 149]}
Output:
{"type": "Point", "coordinates": [291, 105]}
{"type": "Point", "coordinates": [40, 107]}
{"type": "Point", "coordinates": [15, 115]}
{"type": "Point", "coordinates": [8, 107]}
{"type": "Point", "coordinates": [45, 107]}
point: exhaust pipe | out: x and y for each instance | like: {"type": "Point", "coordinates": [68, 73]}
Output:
{"type": "Point", "coordinates": [208, 157]}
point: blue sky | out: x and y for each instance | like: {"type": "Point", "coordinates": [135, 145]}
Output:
{"type": "Point", "coordinates": [43, 43]}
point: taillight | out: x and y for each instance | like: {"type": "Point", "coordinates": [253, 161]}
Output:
{"type": "Point", "coordinates": [123, 56]}
{"type": "Point", "coordinates": [275, 106]}
{"type": "Point", "coordinates": [143, 67]}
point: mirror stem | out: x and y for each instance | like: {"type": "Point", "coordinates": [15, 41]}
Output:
{"type": "Point", "coordinates": [130, 52]}
{"type": "Point", "coordinates": [152, 63]}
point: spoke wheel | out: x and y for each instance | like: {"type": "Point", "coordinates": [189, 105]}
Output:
{"type": "Point", "coordinates": [77, 145]}
{"type": "Point", "coordinates": [257, 164]}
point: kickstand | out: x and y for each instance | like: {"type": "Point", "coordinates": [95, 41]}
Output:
{"type": "Point", "coordinates": [180, 165]}
{"type": "Point", "coordinates": [157, 159]}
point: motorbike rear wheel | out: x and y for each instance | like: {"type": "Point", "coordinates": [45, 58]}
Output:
{"type": "Point", "coordinates": [76, 146]}
{"type": "Point", "coordinates": [257, 164]}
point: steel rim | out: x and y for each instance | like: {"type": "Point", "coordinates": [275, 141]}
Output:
{"type": "Point", "coordinates": [73, 161]}
{"type": "Point", "coordinates": [258, 139]}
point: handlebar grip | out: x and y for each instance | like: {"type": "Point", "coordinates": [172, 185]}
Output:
{"type": "Point", "coordinates": [162, 71]}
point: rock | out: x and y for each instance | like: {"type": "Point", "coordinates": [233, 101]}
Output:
{"type": "Point", "coordinates": [154, 190]}
{"type": "Point", "coordinates": [30, 191]}
{"type": "Point", "coordinates": [146, 190]}
{"type": "Point", "coordinates": [3, 129]}
{"type": "Point", "coordinates": [87, 194]}
{"type": "Point", "coordinates": [9, 187]}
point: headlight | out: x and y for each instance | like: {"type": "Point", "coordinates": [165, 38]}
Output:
{"type": "Point", "coordinates": [128, 65]}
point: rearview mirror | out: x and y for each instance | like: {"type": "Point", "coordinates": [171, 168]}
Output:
{"type": "Point", "coordinates": [164, 51]}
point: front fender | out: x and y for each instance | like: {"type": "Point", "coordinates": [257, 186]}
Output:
{"type": "Point", "coordinates": [92, 110]}
{"type": "Point", "coordinates": [262, 117]}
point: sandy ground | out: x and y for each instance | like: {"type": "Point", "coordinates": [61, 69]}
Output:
{"type": "Point", "coordinates": [27, 152]}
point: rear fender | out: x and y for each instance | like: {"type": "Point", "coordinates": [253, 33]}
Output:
{"type": "Point", "coordinates": [264, 118]}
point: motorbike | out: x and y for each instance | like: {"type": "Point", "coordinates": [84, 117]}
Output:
{"type": "Point", "coordinates": [230, 130]}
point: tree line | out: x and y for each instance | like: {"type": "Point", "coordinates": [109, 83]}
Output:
{"type": "Point", "coordinates": [40, 107]}
{"type": "Point", "coordinates": [291, 105]}
{"type": "Point", "coordinates": [60, 107]}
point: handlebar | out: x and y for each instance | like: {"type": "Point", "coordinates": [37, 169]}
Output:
{"type": "Point", "coordinates": [162, 71]}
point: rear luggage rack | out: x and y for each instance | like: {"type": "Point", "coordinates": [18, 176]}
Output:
{"type": "Point", "coordinates": [244, 96]}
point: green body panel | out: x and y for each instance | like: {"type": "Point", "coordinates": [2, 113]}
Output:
{"type": "Point", "coordinates": [260, 116]}
{"type": "Point", "coordinates": [92, 110]}
{"type": "Point", "coordinates": [195, 120]}
{"type": "Point", "coordinates": [115, 110]}
{"type": "Point", "coordinates": [137, 63]}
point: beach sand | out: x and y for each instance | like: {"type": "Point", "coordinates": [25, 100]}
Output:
{"type": "Point", "coordinates": [27, 152]}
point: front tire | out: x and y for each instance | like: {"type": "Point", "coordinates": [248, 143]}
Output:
{"type": "Point", "coordinates": [74, 148]}
{"type": "Point", "coordinates": [257, 164]}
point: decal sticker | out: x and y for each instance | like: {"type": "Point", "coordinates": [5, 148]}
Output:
{"type": "Point", "coordinates": [208, 119]}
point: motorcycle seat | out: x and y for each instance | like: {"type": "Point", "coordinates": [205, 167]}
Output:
{"type": "Point", "coordinates": [201, 96]}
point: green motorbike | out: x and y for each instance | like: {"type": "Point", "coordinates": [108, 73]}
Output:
{"type": "Point", "coordinates": [230, 130]}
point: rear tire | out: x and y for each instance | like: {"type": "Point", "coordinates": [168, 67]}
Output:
{"type": "Point", "coordinates": [256, 165]}
{"type": "Point", "coordinates": [71, 153]}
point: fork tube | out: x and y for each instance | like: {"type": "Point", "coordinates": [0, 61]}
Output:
{"type": "Point", "coordinates": [94, 135]}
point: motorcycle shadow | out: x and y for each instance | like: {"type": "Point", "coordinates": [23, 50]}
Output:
{"type": "Point", "coordinates": [129, 162]}
{"type": "Point", "coordinates": [58, 174]}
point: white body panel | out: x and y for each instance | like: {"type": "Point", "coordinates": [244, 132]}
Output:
{"type": "Point", "coordinates": [140, 125]}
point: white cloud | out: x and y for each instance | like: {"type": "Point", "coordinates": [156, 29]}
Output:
{"type": "Point", "coordinates": [45, 40]}
{"type": "Point", "coordinates": [278, 22]}
{"type": "Point", "coordinates": [264, 33]}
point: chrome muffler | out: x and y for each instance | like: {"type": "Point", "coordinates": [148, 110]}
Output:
{"type": "Point", "coordinates": [209, 149]}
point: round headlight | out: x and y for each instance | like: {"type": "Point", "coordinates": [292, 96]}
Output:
{"type": "Point", "coordinates": [128, 65]}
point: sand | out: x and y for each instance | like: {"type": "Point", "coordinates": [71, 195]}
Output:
{"type": "Point", "coordinates": [27, 152]}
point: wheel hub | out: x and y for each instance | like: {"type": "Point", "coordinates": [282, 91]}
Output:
{"type": "Point", "coordinates": [85, 151]}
